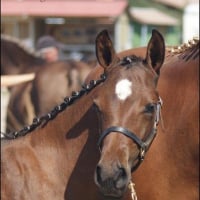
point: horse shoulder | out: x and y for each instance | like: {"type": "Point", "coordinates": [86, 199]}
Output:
{"type": "Point", "coordinates": [20, 163]}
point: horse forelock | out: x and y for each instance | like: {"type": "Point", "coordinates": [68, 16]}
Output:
{"type": "Point", "coordinates": [20, 45]}
{"type": "Point", "coordinates": [126, 61]}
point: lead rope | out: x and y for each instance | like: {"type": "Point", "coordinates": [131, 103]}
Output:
{"type": "Point", "coordinates": [133, 192]}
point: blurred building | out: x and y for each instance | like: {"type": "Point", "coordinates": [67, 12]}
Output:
{"type": "Point", "coordinates": [73, 23]}
{"type": "Point", "coordinates": [191, 21]}
{"type": "Point", "coordinates": [164, 15]}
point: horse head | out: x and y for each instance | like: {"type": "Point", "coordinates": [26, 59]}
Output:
{"type": "Point", "coordinates": [128, 111]}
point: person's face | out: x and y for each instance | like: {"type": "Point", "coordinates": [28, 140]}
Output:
{"type": "Point", "coordinates": [51, 54]}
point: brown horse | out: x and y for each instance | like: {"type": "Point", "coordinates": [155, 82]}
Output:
{"type": "Point", "coordinates": [35, 98]}
{"type": "Point", "coordinates": [18, 59]}
{"type": "Point", "coordinates": [171, 167]}
{"type": "Point", "coordinates": [53, 83]}
{"type": "Point", "coordinates": [57, 160]}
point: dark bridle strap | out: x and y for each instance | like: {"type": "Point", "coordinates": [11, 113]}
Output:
{"type": "Point", "coordinates": [125, 132]}
{"type": "Point", "coordinates": [144, 145]}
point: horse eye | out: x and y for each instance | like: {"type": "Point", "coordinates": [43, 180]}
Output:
{"type": "Point", "coordinates": [149, 108]}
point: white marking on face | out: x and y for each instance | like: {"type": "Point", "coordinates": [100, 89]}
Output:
{"type": "Point", "coordinates": [123, 89]}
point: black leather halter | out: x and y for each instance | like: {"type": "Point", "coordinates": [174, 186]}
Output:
{"type": "Point", "coordinates": [142, 145]}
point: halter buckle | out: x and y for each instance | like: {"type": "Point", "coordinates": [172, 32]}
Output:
{"type": "Point", "coordinates": [142, 154]}
{"type": "Point", "coordinates": [158, 106]}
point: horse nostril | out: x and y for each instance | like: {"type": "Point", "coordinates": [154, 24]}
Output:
{"type": "Point", "coordinates": [115, 177]}
{"type": "Point", "coordinates": [121, 178]}
{"type": "Point", "coordinates": [98, 174]}
{"type": "Point", "coordinates": [122, 173]}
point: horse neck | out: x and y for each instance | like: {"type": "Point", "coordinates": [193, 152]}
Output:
{"type": "Point", "coordinates": [24, 61]}
{"type": "Point", "coordinates": [74, 126]}
{"type": "Point", "coordinates": [68, 143]}
{"type": "Point", "coordinates": [178, 87]}
{"type": "Point", "coordinates": [173, 158]}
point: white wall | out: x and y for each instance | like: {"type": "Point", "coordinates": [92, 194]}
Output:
{"type": "Point", "coordinates": [122, 33]}
{"type": "Point", "coordinates": [5, 96]}
{"type": "Point", "coordinates": [191, 22]}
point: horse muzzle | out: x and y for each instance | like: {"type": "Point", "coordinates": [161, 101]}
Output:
{"type": "Point", "coordinates": [112, 182]}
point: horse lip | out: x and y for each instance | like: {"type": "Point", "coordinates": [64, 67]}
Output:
{"type": "Point", "coordinates": [113, 196]}
{"type": "Point", "coordinates": [113, 193]}
{"type": "Point", "coordinates": [116, 191]}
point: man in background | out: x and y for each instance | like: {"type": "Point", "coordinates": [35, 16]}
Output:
{"type": "Point", "coordinates": [48, 47]}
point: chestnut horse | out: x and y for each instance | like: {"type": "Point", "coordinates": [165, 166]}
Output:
{"type": "Point", "coordinates": [57, 159]}
{"type": "Point", "coordinates": [35, 98]}
{"type": "Point", "coordinates": [171, 168]}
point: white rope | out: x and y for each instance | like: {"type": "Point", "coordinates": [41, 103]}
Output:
{"type": "Point", "coordinates": [133, 192]}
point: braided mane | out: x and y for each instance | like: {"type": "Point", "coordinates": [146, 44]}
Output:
{"type": "Point", "coordinates": [43, 120]}
{"type": "Point", "coordinates": [183, 47]}
{"type": "Point", "coordinates": [186, 51]}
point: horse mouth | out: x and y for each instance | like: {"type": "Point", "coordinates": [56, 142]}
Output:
{"type": "Point", "coordinates": [113, 183]}
{"type": "Point", "coordinates": [112, 194]}
{"type": "Point", "coordinates": [110, 191]}
{"type": "Point", "coordinates": [112, 197]}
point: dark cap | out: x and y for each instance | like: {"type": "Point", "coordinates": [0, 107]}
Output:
{"type": "Point", "coordinates": [45, 42]}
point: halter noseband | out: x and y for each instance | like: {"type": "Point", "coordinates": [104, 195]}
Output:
{"type": "Point", "coordinates": [142, 145]}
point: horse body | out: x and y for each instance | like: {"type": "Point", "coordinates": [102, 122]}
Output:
{"type": "Point", "coordinates": [17, 59]}
{"type": "Point", "coordinates": [60, 159]}
{"type": "Point", "coordinates": [56, 81]}
{"type": "Point", "coordinates": [171, 167]}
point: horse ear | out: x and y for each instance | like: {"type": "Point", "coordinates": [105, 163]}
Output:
{"type": "Point", "coordinates": [105, 52]}
{"type": "Point", "coordinates": [155, 51]}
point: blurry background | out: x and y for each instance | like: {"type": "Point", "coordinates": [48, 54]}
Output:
{"type": "Point", "coordinates": [75, 23]}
